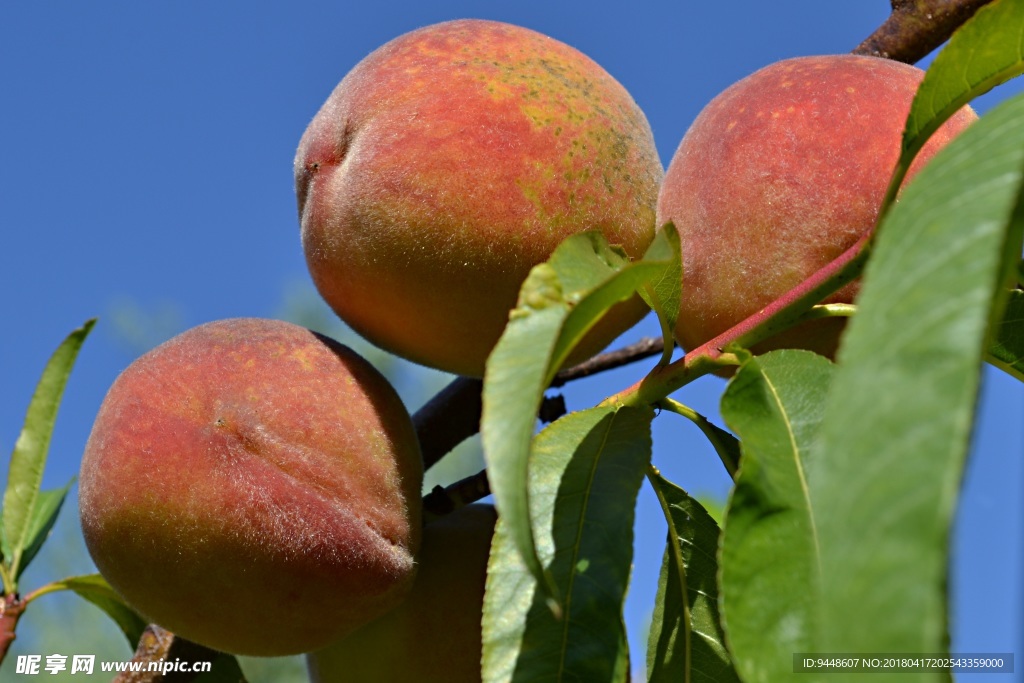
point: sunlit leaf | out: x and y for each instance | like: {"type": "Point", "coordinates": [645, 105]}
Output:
{"type": "Point", "coordinates": [984, 52]}
{"type": "Point", "coordinates": [30, 451]}
{"type": "Point", "coordinates": [770, 546]}
{"type": "Point", "coordinates": [898, 420]}
{"type": "Point", "coordinates": [558, 303]}
{"type": "Point", "coordinates": [585, 473]}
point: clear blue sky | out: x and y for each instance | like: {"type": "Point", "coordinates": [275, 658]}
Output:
{"type": "Point", "coordinates": [145, 161]}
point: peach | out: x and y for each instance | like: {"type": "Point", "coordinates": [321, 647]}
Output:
{"type": "Point", "coordinates": [435, 635]}
{"type": "Point", "coordinates": [254, 487]}
{"type": "Point", "coordinates": [777, 176]}
{"type": "Point", "coordinates": [449, 162]}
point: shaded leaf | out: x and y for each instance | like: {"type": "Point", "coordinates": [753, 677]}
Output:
{"type": "Point", "coordinates": [225, 669]}
{"type": "Point", "coordinates": [770, 545]}
{"type": "Point", "coordinates": [725, 444]}
{"type": "Point", "coordinates": [558, 303]}
{"type": "Point", "coordinates": [96, 590]}
{"type": "Point", "coordinates": [30, 451]}
{"type": "Point", "coordinates": [686, 640]}
{"type": "Point", "coordinates": [898, 419]}
{"type": "Point", "coordinates": [164, 656]}
{"type": "Point", "coordinates": [663, 294]}
{"type": "Point", "coordinates": [713, 505]}
{"type": "Point", "coordinates": [1006, 350]}
{"type": "Point", "coordinates": [585, 473]}
{"type": "Point", "coordinates": [44, 515]}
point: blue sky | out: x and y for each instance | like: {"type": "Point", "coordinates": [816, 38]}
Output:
{"type": "Point", "coordinates": [145, 165]}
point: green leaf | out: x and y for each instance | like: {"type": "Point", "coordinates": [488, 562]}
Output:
{"type": "Point", "coordinates": [96, 590]}
{"type": "Point", "coordinates": [1006, 350]}
{"type": "Point", "coordinates": [770, 546]}
{"type": "Point", "coordinates": [983, 53]}
{"type": "Point", "coordinates": [225, 669]}
{"type": "Point", "coordinates": [713, 505]}
{"type": "Point", "coordinates": [30, 451]}
{"type": "Point", "coordinates": [585, 473]}
{"type": "Point", "coordinates": [558, 303]}
{"type": "Point", "coordinates": [686, 641]}
{"type": "Point", "coordinates": [663, 295]}
{"type": "Point", "coordinates": [725, 444]}
{"type": "Point", "coordinates": [898, 419]}
{"type": "Point", "coordinates": [44, 515]}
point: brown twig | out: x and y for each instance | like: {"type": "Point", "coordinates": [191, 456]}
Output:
{"type": "Point", "coordinates": [11, 609]}
{"type": "Point", "coordinates": [453, 415]}
{"type": "Point", "coordinates": [445, 500]}
{"type": "Point", "coordinates": [153, 646]}
{"type": "Point", "coordinates": [160, 645]}
{"type": "Point", "coordinates": [645, 348]}
{"type": "Point", "coordinates": [448, 419]}
{"type": "Point", "coordinates": [916, 27]}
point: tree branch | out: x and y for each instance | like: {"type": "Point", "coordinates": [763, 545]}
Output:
{"type": "Point", "coordinates": [645, 348]}
{"type": "Point", "coordinates": [445, 500]}
{"type": "Point", "coordinates": [453, 415]}
{"type": "Point", "coordinates": [448, 419]}
{"type": "Point", "coordinates": [11, 609]}
{"type": "Point", "coordinates": [154, 646]}
{"type": "Point", "coordinates": [160, 645]}
{"type": "Point", "coordinates": [916, 27]}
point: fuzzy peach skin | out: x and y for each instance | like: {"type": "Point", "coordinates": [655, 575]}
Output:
{"type": "Point", "coordinates": [779, 175]}
{"type": "Point", "coordinates": [254, 487]}
{"type": "Point", "coordinates": [435, 635]}
{"type": "Point", "coordinates": [450, 161]}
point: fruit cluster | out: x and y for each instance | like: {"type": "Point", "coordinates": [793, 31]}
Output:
{"type": "Point", "coordinates": [255, 487]}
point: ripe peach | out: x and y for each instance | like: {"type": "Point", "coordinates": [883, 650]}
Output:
{"type": "Point", "coordinates": [434, 636]}
{"type": "Point", "coordinates": [777, 176]}
{"type": "Point", "coordinates": [254, 487]}
{"type": "Point", "coordinates": [449, 162]}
